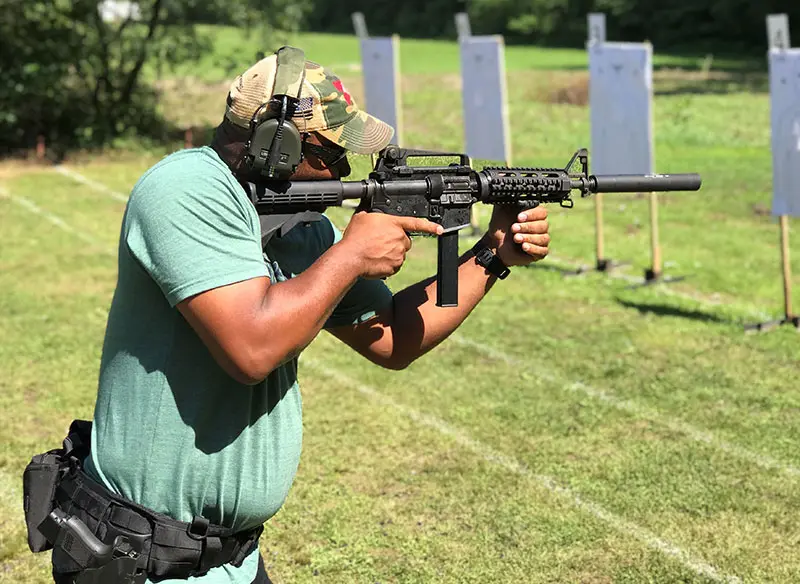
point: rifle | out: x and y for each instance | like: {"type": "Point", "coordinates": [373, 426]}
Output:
{"type": "Point", "coordinates": [445, 195]}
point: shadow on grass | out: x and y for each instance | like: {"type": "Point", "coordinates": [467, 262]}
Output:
{"type": "Point", "coordinates": [714, 84]}
{"type": "Point", "coordinates": [566, 271]}
{"type": "Point", "coordinates": [659, 309]}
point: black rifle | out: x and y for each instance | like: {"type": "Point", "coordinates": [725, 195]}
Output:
{"type": "Point", "coordinates": [445, 194]}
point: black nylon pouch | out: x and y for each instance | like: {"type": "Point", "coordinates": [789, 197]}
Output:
{"type": "Point", "coordinates": [39, 481]}
{"type": "Point", "coordinates": [41, 477]}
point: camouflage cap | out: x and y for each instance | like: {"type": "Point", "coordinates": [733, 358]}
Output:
{"type": "Point", "coordinates": [325, 106]}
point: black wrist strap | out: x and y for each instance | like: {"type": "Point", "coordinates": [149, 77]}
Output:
{"type": "Point", "coordinates": [485, 257]}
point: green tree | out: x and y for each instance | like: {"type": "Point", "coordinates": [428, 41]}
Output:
{"type": "Point", "coordinates": [711, 25]}
{"type": "Point", "coordinates": [531, 20]}
{"type": "Point", "coordinates": [724, 25]}
{"type": "Point", "coordinates": [79, 80]}
{"type": "Point", "coordinates": [432, 18]}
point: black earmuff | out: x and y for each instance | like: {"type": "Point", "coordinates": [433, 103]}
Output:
{"type": "Point", "coordinates": [275, 147]}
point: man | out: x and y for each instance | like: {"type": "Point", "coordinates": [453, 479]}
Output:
{"type": "Point", "coordinates": [198, 412]}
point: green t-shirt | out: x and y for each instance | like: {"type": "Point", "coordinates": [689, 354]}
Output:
{"type": "Point", "coordinates": [172, 431]}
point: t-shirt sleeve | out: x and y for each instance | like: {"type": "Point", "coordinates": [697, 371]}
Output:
{"type": "Point", "coordinates": [192, 234]}
{"type": "Point", "coordinates": [363, 301]}
{"type": "Point", "coordinates": [366, 297]}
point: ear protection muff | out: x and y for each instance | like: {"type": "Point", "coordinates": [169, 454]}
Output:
{"type": "Point", "coordinates": [275, 147]}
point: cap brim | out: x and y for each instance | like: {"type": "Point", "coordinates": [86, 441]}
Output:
{"type": "Point", "coordinates": [362, 134]}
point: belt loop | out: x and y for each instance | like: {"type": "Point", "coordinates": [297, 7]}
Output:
{"type": "Point", "coordinates": [198, 528]}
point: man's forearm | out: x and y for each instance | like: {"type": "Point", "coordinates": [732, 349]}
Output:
{"type": "Point", "coordinates": [418, 325]}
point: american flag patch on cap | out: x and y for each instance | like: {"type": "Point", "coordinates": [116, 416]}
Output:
{"type": "Point", "coordinates": [305, 107]}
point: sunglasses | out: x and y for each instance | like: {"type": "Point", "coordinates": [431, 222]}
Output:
{"type": "Point", "coordinates": [329, 156]}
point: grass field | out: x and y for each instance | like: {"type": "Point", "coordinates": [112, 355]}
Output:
{"type": "Point", "coordinates": [573, 430]}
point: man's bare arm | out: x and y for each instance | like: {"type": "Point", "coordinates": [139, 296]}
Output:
{"type": "Point", "coordinates": [251, 327]}
{"type": "Point", "coordinates": [414, 325]}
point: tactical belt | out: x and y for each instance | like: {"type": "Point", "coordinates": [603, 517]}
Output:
{"type": "Point", "coordinates": [166, 548]}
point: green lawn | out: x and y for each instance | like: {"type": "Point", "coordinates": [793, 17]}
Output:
{"type": "Point", "coordinates": [573, 430]}
{"type": "Point", "coordinates": [234, 50]}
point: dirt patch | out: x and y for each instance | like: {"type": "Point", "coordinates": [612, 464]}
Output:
{"type": "Point", "coordinates": [13, 168]}
{"type": "Point", "coordinates": [633, 229]}
{"type": "Point", "coordinates": [30, 394]}
{"type": "Point", "coordinates": [192, 103]}
{"type": "Point", "coordinates": [446, 81]}
{"type": "Point", "coordinates": [553, 87]}
{"type": "Point", "coordinates": [573, 92]}
{"type": "Point", "coordinates": [677, 74]}
{"type": "Point", "coordinates": [572, 88]}
{"type": "Point", "coordinates": [761, 210]}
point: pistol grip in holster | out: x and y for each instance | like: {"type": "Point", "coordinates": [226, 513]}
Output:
{"type": "Point", "coordinates": [99, 563]}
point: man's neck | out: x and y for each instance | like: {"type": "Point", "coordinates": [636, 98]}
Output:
{"type": "Point", "coordinates": [229, 142]}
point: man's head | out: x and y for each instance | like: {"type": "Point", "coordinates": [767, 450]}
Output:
{"type": "Point", "coordinates": [327, 118]}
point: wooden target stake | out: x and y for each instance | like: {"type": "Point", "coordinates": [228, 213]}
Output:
{"type": "Point", "coordinates": [787, 271]}
{"type": "Point", "coordinates": [40, 147]}
{"type": "Point", "coordinates": [778, 35]}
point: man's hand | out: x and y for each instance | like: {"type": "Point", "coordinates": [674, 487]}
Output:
{"type": "Point", "coordinates": [520, 237]}
{"type": "Point", "coordinates": [379, 242]}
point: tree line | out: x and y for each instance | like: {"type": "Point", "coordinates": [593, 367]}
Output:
{"type": "Point", "coordinates": [732, 26]}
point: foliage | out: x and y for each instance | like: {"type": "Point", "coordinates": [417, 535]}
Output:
{"type": "Point", "coordinates": [532, 20]}
{"type": "Point", "coordinates": [662, 425]}
{"type": "Point", "coordinates": [77, 79]}
{"type": "Point", "coordinates": [738, 25]}
{"type": "Point", "coordinates": [727, 25]}
{"type": "Point", "coordinates": [430, 19]}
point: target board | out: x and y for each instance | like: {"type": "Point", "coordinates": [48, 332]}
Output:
{"type": "Point", "coordinates": [484, 98]}
{"type": "Point", "coordinates": [621, 112]}
{"type": "Point", "coordinates": [381, 68]}
{"type": "Point", "coordinates": [784, 81]}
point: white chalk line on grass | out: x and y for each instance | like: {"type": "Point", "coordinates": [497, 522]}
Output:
{"type": "Point", "coordinates": [54, 219]}
{"type": "Point", "coordinates": [622, 525]}
{"type": "Point", "coordinates": [679, 426]}
{"type": "Point", "coordinates": [76, 176]}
